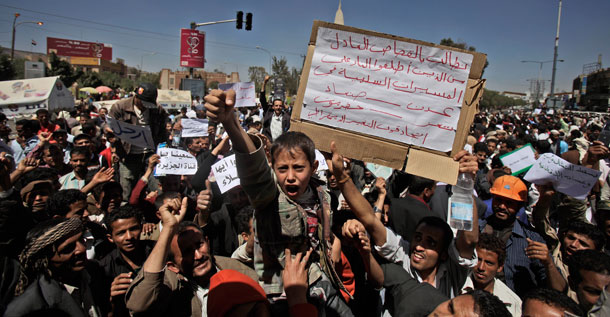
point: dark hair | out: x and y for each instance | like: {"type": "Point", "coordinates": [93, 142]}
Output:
{"type": "Point", "coordinates": [495, 140]}
{"type": "Point", "coordinates": [542, 146]}
{"type": "Point", "coordinates": [104, 187]}
{"type": "Point", "coordinates": [487, 304]}
{"type": "Point", "coordinates": [50, 146]}
{"type": "Point", "coordinates": [553, 298]}
{"type": "Point", "coordinates": [41, 173]}
{"type": "Point", "coordinates": [419, 184]}
{"type": "Point", "coordinates": [27, 124]}
{"type": "Point", "coordinates": [84, 150]}
{"type": "Point", "coordinates": [88, 127]}
{"type": "Point", "coordinates": [277, 99]}
{"type": "Point", "coordinates": [591, 231]}
{"type": "Point", "coordinates": [81, 137]}
{"type": "Point", "coordinates": [493, 244]}
{"type": "Point", "coordinates": [510, 144]}
{"type": "Point", "coordinates": [588, 260]}
{"type": "Point", "coordinates": [59, 203]}
{"type": "Point", "coordinates": [124, 212]}
{"type": "Point", "coordinates": [294, 140]}
{"type": "Point", "coordinates": [439, 223]}
{"type": "Point", "coordinates": [480, 147]}
{"type": "Point", "coordinates": [39, 111]}
{"type": "Point", "coordinates": [242, 219]}
{"type": "Point", "coordinates": [166, 195]}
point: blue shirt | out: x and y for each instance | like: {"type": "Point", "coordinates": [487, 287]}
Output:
{"type": "Point", "coordinates": [20, 153]}
{"type": "Point", "coordinates": [521, 273]}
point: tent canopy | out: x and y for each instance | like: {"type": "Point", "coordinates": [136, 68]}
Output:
{"type": "Point", "coordinates": [25, 97]}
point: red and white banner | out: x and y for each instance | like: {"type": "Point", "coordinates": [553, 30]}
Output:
{"type": "Point", "coordinates": [74, 48]}
{"type": "Point", "coordinates": [192, 48]}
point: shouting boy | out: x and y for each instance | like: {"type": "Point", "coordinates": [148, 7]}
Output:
{"type": "Point", "coordinates": [291, 209]}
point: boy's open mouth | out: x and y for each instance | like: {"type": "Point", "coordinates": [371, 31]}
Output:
{"type": "Point", "coordinates": [292, 189]}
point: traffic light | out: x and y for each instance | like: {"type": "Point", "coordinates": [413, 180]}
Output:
{"type": "Point", "coordinates": [248, 21]}
{"type": "Point", "coordinates": [240, 19]}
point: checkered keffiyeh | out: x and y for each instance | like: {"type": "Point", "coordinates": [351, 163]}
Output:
{"type": "Point", "coordinates": [57, 233]}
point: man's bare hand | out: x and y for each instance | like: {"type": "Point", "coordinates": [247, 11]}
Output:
{"type": "Point", "coordinates": [120, 284]}
{"type": "Point", "coordinates": [204, 199]}
{"type": "Point", "coordinates": [468, 162]}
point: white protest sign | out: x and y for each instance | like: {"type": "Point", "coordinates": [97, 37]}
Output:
{"type": "Point", "coordinates": [194, 127]}
{"type": "Point", "coordinates": [245, 96]}
{"type": "Point", "coordinates": [572, 180]}
{"type": "Point", "coordinates": [225, 172]}
{"type": "Point", "coordinates": [550, 111]}
{"type": "Point", "coordinates": [379, 170]}
{"type": "Point", "coordinates": [322, 166]}
{"type": "Point", "coordinates": [537, 111]}
{"type": "Point", "coordinates": [519, 160]}
{"type": "Point", "coordinates": [176, 162]}
{"type": "Point", "coordinates": [132, 134]}
{"type": "Point", "coordinates": [396, 90]}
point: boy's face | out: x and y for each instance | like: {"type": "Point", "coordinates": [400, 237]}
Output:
{"type": "Point", "coordinates": [426, 247]}
{"type": "Point", "coordinates": [293, 171]}
{"type": "Point", "coordinates": [126, 234]}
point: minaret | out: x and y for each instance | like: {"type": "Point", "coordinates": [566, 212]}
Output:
{"type": "Point", "coordinates": [339, 15]}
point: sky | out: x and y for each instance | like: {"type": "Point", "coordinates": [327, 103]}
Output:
{"type": "Point", "coordinates": [147, 31]}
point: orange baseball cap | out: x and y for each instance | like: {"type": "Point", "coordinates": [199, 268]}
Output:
{"type": "Point", "coordinates": [510, 187]}
{"type": "Point", "coordinates": [230, 288]}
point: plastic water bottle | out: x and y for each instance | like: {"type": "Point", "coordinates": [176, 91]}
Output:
{"type": "Point", "coordinates": [461, 203]}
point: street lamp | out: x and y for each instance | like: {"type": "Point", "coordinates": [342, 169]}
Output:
{"type": "Point", "coordinates": [14, 29]}
{"type": "Point", "coordinates": [263, 49]}
{"type": "Point", "coordinates": [539, 72]}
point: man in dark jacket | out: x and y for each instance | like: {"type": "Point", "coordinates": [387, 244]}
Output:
{"type": "Point", "coordinates": [141, 110]}
{"type": "Point", "coordinates": [275, 120]}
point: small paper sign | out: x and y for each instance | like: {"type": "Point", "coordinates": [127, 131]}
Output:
{"type": "Point", "coordinates": [132, 134]}
{"type": "Point", "coordinates": [572, 180]}
{"type": "Point", "coordinates": [194, 127]}
{"type": "Point", "coordinates": [519, 160]}
{"type": "Point", "coordinates": [225, 172]}
{"type": "Point", "coordinates": [176, 162]}
{"type": "Point", "coordinates": [245, 96]}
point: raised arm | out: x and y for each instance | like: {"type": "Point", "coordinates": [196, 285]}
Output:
{"type": "Point", "coordinates": [219, 105]}
{"type": "Point", "coordinates": [357, 203]}
{"type": "Point", "coordinates": [172, 212]}
{"type": "Point", "coordinates": [466, 241]}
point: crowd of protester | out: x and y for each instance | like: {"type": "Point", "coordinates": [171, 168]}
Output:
{"type": "Point", "coordinates": [88, 229]}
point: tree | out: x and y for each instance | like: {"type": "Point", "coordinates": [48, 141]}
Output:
{"type": "Point", "coordinates": [213, 85]}
{"type": "Point", "coordinates": [7, 69]}
{"type": "Point", "coordinates": [462, 45]}
{"type": "Point", "coordinates": [494, 100]}
{"type": "Point", "coordinates": [292, 84]}
{"type": "Point", "coordinates": [90, 79]}
{"type": "Point", "coordinates": [152, 78]}
{"type": "Point", "coordinates": [257, 75]}
{"type": "Point", "coordinates": [64, 70]}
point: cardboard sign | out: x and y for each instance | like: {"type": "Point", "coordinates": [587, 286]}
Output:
{"type": "Point", "coordinates": [132, 134]}
{"type": "Point", "coordinates": [225, 172]}
{"type": "Point", "coordinates": [572, 180]}
{"type": "Point", "coordinates": [176, 162]}
{"type": "Point", "coordinates": [384, 96]}
{"type": "Point", "coordinates": [519, 160]}
{"type": "Point", "coordinates": [245, 96]}
{"type": "Point", "coordinates": [194, 127]}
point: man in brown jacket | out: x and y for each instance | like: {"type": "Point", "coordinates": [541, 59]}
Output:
{"type": "Point", "coordinates": [141, 110]}
{"type": "Point", "coordinates": [178, 286]}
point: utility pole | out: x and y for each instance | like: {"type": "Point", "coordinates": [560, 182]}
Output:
{"type": "Point", "coordinates": [555, 56]}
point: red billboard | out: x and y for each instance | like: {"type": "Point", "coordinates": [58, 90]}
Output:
{"type": "Point", "coordinates": [75, 48]}
{"type": "Point", "coordinates": [192, 48]}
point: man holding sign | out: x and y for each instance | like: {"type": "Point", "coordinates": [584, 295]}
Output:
{"type": "Point", "coordinates": [141, 110]}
